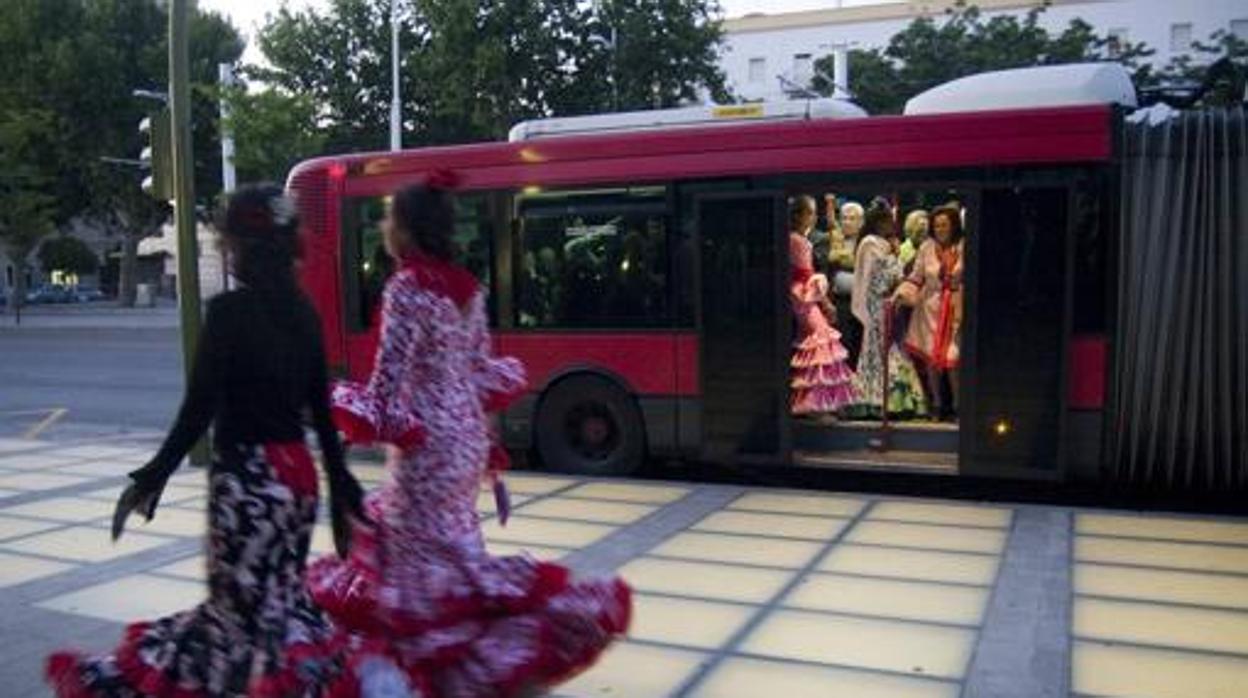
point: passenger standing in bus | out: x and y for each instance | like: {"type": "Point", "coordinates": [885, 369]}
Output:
{"type": "Point", "coordinates": [822, 383]}
{"type": "Point", "coordinates": [259, 364]}
{"type": "Point", "coordinates": [841, 255]}
{"type": "Point", "coordinates": [877, 272]}
{"type": "Point", "coordinates": [423, 600]}
{"type": "Point", "coordinates": [934, 290]}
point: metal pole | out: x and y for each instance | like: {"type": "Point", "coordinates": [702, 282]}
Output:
{"type": "Point", "coordinates": [184, 193]}
{"type": "Point", "coordinates": [396, 107]}
{"type": "Point", "coordinates": [225, 77]}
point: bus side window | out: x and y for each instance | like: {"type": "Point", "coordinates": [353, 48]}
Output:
{"type": "Point", "coordinates": [593, 259]}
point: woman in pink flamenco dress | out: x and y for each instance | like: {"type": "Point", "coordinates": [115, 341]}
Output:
{"type": "Point", "coordinates": [424, 602]}
{"type": "Point", "coordinates": [822, 381]}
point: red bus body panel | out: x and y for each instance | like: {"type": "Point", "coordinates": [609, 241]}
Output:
{"type": "Point", "coordinates": [653, 363]}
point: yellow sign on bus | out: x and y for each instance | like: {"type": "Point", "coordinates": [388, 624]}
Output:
{"type": "Point", "coordinates": [739, 111]}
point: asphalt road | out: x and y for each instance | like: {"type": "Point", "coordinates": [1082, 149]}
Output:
{"type": "Point", "coordinates": [106, 377]}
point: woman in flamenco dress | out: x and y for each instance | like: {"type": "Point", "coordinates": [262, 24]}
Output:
{"type": "Point", "coordinates": [821, 381]}
{"type": "Point", "coordinates": [429, 610]}
{"type": "Point", "coordinates": [259, 365]}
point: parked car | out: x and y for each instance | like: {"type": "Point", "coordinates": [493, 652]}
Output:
{"type": "Point", "coordinates": [89, 295]}
{"type": "Point", "coordinates": [50, 295]}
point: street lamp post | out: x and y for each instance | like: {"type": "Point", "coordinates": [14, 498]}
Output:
{"type": "Point", "coordinates": [611, 44]}
{"type": "Point", "coordinates": [396, 107]}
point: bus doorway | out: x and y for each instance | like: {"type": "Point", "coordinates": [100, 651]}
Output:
{"type": "Point", "coordinates": [744, 325]}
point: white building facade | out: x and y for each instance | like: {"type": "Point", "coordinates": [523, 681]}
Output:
{"type": "Point", "coordinates": [765, 54]}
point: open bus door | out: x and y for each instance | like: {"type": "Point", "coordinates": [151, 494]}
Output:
{"type": "Point", "coordinates": [744, 325]}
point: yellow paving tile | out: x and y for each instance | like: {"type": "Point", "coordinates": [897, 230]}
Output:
{"type": "Point", "coordinates": [137, 597]}
{"type": "Point", "coordinates": [523, 529]}
{"type": "Point", "coordinates": [1167, 626]}
{"type": "Point", "coordinates": [486, 504]}
{"type": "Point", "coordinates": [740, 677]}
{"type": "Point", "coordinates": [907, 648]}
{"type": "Point", "coordinates": [774, 525]}
{"type": "Point", "coordinates": [370, 475]}
{"type": "Point", "coordinates": [971, 540]}
{"type": "Point", "coordinates": [194, 568]}
{"type": "Point", "coordinates": [322, 540]}
{"type": "Point", "coordinates": [39, 481]}
{"type": "Point", "coordinates": [890, 599]}
{"type": "Point", "coordinates": [634, 671]}
{"type": "Point", "coordinates": [644, 494]}
{"type": "Point", "coordinates": [1187, 556]}
{"type": "Point", "coordinates": [171, 521]}
{"type": "Point", "coordinates": [12, 527]}
{"type": "Point", "coordinates": [1162, 585]}
{"type": "Point", "coordinates": [952, 514]}
{"type": "Point", "coordinates": [538, 551]}
{"type": "Point", "coordinates": [84, 543]}
{"type": "Point", "coordinates": [589, 510]}
{"type": "Point", "coordinates": [97, 469]}
{"type": "Point", "coordinates": [814, 505]}
{"type": "Point", "coordinates": [1108, 670]}
{"type": "Point", "coordinates": [97, 452]}
{"type": "Point", "coordinates": [35, 461]}
{"type": "Point", "coordinates": [1164, 528]}
{"type": "Point", "coordinates": [18, 569]}
{"type": "Point", "coordinates": [173, 493]}
{"type": "Point", "coordinates": [71, 509]}
{"type": "Point", "coordinates": [911, 564]}
{"type": "Point", "coordinates": [705, 580]}
{"type": "Point", "coordinates": [537, 484]}
{"type": "Point", "coordinates": [720, 547]}
{"type": "Point", "coordinates": [698, 624]}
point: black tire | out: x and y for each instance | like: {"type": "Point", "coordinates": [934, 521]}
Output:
{"type": "Point", "coordinates": [587, 425]}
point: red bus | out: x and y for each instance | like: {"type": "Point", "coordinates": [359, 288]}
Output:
{"type": "Point", "coordinates": [641, 275]}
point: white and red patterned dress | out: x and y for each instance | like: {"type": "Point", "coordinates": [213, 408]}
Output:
{"type": "Point", "coordinates": [419, 588]}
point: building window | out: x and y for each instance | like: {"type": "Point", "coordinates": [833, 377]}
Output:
{"type": "Point", "coordinates": [1181, 37]}
{"type": "Point", "coordinates": [758, 69]}
{"type": "Point", "coordinates": [1117, 41]}
{"type": "Point", "coordinates": [803, 69]}
{"type": "Point", "coordinates": [1239, 28]}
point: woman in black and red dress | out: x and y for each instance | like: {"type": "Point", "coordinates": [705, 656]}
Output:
{"type": "Point", "coordinates": [260, 364]}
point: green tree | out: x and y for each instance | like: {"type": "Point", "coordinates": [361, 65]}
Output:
{"type": "Point", "coordinates": [929, 52]}
{"type": "Point", "coordinates": [67, 254]}
{"type": "Point", "coordinates": [1223, 53]}
{"type": "Point", "coordinates": [27, 209]}
{"type": "Point", "coordinates": [472, 68]}
{"type": "Point", "coordinates": [272, 132]}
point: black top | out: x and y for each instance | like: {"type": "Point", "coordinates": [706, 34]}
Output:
{"type": "Point", "coordinates": [259, 365]}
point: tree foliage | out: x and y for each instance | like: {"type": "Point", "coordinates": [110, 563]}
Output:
{"type": "Point", "coordinates": [272, 131]}
{"type": "Point", "coordinates": [929, 52]}
{"type": "Point", "coordinates": [472, 68]}
{"type": "Point", "coordinates": [68, 254]}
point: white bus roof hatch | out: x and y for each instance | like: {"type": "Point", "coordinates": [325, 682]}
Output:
{"type": "Point", "coordinates": [1030, 88]}
{"type": "Point", "coordinates": [794, 110]}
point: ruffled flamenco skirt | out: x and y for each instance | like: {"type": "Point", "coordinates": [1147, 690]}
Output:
{"type": "Point", "coordinates": [257, 635]}
{"type": "Point", "coordinates": [821, 379]}
{"type": "Point", "coordinates": [452, 621]}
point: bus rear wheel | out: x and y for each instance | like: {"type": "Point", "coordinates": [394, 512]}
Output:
{"type": "Point", "coordinates": [589, 426]}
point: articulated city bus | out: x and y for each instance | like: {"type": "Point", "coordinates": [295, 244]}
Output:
{"type": "Point", "coordinates": [639, 266]}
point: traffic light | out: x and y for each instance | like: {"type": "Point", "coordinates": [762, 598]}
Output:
{"type": "Point", "coordinates": [157, 155]}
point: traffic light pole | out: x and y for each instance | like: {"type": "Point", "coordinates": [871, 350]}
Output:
{"type": "Point", "coordinates": [184, 193]}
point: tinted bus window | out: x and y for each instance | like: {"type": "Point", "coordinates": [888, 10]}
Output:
{"type": "Point", "coordinates": [368, 266]}
{"type": "Point", "coordinates": [593, 259]}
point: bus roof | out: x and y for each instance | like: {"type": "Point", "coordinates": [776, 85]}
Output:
{"type": "Point", "coordinates": [969, 139]}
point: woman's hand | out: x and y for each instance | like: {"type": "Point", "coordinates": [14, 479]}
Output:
{"type": "Point", "coordinates": [132, 499]}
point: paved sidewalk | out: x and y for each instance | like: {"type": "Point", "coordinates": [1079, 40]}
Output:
{"type": "Point", "coordinates": [742, 592]}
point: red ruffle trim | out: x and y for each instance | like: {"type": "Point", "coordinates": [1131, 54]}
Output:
{"type": "Point", "coordinates": [349, 593]}
{"type": "Point", "coordinates": [61, 671]}
{"type": "Point", "coordinates": [496, 401]}
{"type": "Point", "coordinates": [361, 432]}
